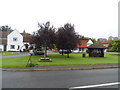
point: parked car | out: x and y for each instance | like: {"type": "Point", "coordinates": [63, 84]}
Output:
{"type": "Point", "coordinates": [75, 51]}
{"type": "Point", "coordinates": [38, 52]}
{"type": "Point", "coordinates": [64, 51]}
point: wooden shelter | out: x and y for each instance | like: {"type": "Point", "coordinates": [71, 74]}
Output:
{"type": "Point", "coordinates": [96, 50]}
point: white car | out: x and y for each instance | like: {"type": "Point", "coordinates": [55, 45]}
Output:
{"type": "Point", "coordinates": [76, 51]}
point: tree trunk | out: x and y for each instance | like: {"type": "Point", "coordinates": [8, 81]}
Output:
{"type": "Point", "coordinates": [45, 51]}
{"type": "Point", "coordinates": [68, 54]}
{"type": "Point", "coordinates": [62, 52]}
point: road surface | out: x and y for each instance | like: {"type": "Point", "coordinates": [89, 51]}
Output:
{"type": "Point", "coordinates": [60, 79]}
{"type": "Point", "coordinates": [24, 54]}
{"type": "Point", "coordinates": [48, 52]}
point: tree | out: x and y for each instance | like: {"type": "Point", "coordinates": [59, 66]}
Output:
{"type": "Point", "coordinates": [114, 46]}
{"type": "Point", "coordinates": [66, 38]}
{"type": "Point", "coordinates": [93, 40]}
{"type": "Point", "coordinates": [110, 44]}
{"type": "Point", "coordinates": [5, 28]}
{"type": "Point", "coordinates": [36, 40]}
{"type": "Point", "coordinates": [45, 36]}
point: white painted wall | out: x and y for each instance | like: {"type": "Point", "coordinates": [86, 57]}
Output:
{"type": "Point", "coordinates": [1, 47]}
{"type": "Point", "coordinates": [89, 43]}
{"type": "Point", "coordinates": [14, 34]}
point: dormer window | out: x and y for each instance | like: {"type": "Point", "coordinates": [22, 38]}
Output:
{"type": "Point", "coordinates": [15, 39]}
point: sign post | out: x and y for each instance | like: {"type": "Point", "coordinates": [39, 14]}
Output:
{"type": "Point", "coordinates": [29, 60]}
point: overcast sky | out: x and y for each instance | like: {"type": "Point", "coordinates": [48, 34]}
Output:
{"type": "Point", "coordinates": [92, 18]}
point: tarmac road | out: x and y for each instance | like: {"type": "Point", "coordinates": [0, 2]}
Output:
{"type": "Point", "coordinates": [59, 79]}
{"type": "Point", "coordinates": [24, 54]}
{"type": "Point", "coordinates": [48, 52]}
{"type": "Point", "coordinates": [20, 55]}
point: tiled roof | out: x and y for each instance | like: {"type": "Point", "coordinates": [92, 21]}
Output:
{"type": "Point", "coordinates": [26, 37]}
{"type": "Point", "coordinates": [97, 45]}
{"type": "Point", "coordinates": [104, 42]}
{"type": "Point", "coordinates": [82, 43]}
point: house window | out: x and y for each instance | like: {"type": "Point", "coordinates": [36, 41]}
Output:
{"type": "Point", "coordinates": [14, 39]}
{"type": "Point", "coordinates": [18, 47]}
{"type": "Point", "coordinates": [12, 46]}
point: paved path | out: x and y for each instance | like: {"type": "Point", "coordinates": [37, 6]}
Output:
{"type": "Point", "coordinates": [112, 52]}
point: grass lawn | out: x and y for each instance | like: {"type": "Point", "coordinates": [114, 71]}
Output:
{"type": "Point", "coordinates": [10, 53]}
{"type": "Point", "coordinates": [75, 59]}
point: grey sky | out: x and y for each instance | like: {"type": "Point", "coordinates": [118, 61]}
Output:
{"type": "Point", "coordinates": [92, 18]}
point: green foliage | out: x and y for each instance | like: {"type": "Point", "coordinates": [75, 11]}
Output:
{"type": "Point", "coordinates": [31, 65]}
{"type": "Point", "coordinates": [93, 40]}
{"type": "Point", "coordinates": [114, 46]}
{"type": "Point", "coordinates": [110, 44]}
{"type": "Point", "coordinates": [25, 50]}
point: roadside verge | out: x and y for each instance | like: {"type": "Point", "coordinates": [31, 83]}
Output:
{"type": "Point", "coordinates": [61, 67]}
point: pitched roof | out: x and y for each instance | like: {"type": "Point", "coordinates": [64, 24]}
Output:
{"type": "Point", "coordinates": [104, 42]}
{"type": "Point", "coordinates": [82, 43]}
{"type": "Point", "coordinates": [97, 45]}
{"type": "Point", "coordinates": [3, 36]}
{"type": "Point", "coordinates": [26, 37]}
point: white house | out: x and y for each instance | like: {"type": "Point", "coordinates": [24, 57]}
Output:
{"type": "Point", "coordinates": [89, 43]}
{"type": "Point", "coordinates": [14, 41]}
{"type": "Point", "coordinates": [11, 40]}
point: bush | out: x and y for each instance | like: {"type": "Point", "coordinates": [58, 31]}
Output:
{"type": "Point", "coordinates": [31, 65]}
{"type": "Point", "coordinates": [114, 46]}
{"type": "Point", "coordinates": [25, 50]}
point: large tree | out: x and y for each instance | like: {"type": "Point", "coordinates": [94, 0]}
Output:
{"type": "Point", "coordinates": [66, 38]}
{"type": "Point", "coordinates": [93, 40]}
{"type": "Point", "coordinates": [45, 36]}
{"type": "Point", "coordinates": [114, 46]}
{"type": "Point", "coordinates": [5, 28]}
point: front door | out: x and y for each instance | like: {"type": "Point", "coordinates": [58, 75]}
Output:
{"type": "Point", "coordinates": [5, 46]}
